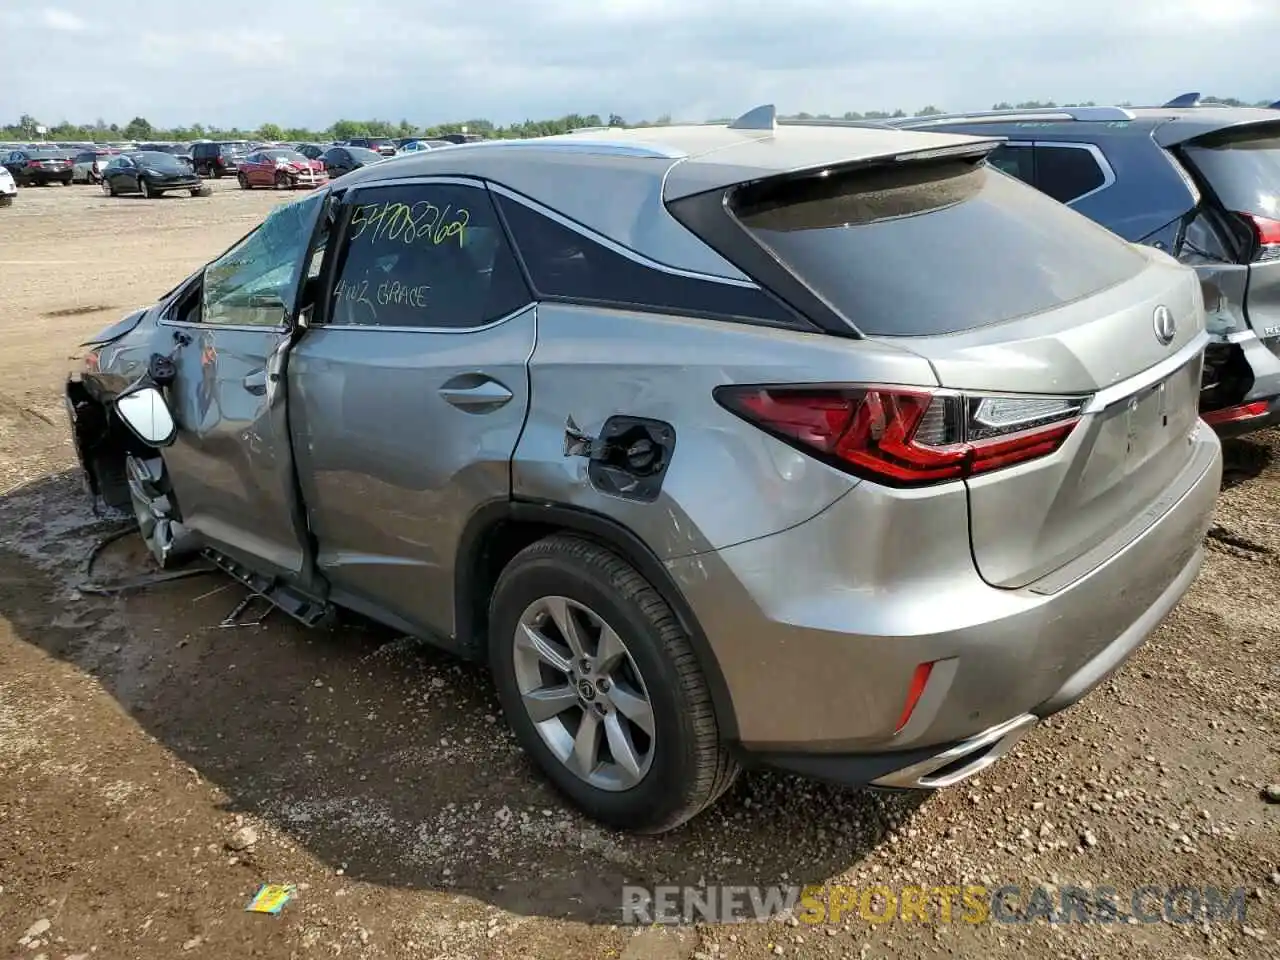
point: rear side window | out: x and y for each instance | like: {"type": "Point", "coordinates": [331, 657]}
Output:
{"type": "Point", "coordinates": [565, 264]}
{"type": "Point", "coordinates": [1015, 160]}
{"type": "Point", "coordinates": [919, 249]}
{"type": "Point", "coordinates": [1067, 173]}
{"type": "Point", "coordinates": [1243, 169]}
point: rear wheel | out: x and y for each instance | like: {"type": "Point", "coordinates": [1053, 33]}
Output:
{"type": "Point", "coordinates": [243, 181]}
{"type": "Point", "coordinates": [6, 199]}
{"type": "Point", "coordinates": [598, 680]}
{"type": "Point", "coordinates": [217, 172]}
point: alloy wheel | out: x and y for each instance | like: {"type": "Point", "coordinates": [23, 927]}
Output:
{"type": "Point", "coordinates": [584, 693]}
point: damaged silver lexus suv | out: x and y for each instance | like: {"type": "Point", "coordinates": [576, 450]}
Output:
{"type": "Point", "coordinates": [828, 448]}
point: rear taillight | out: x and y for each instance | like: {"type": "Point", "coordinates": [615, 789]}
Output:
{"type": "Point", "coordinates": [222, 162]}
{"type": "Point", "coordinates": [1266, 234]}
{"type": "Point", "coordinates": [907, 437]}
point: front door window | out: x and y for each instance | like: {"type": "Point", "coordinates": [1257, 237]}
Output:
{"type": "Point", "coordinates": [255, 283]}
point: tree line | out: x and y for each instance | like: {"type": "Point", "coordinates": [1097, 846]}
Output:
{"type": "Point", "coordinates": [140, 129]}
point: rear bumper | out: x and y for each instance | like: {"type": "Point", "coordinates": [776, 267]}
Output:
{"type": "Point", "coordinates": [819, 629]}
{"type": "Point", "coordinates": [47, 176]}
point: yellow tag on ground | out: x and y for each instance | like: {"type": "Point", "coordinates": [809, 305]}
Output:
{"type": "Point", "coordinates": [270, 898]}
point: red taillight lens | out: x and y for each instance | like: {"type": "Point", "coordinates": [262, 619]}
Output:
{"type": "Point", "coordinates": [1246, 411]}
{"type": "Point", "coordinates": [1267, 234]}
{"type": "Point", "coordinates": [907, 437]}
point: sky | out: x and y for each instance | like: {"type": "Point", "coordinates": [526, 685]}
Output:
{"type": "Point", "coordinates": [310, 62]}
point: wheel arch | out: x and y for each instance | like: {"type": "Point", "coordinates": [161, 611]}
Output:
{"type": "Point", "coordinates": [496, 532]}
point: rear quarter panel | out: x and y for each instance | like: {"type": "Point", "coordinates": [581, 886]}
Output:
{"type": "Point", "coordinates": [728, 481]}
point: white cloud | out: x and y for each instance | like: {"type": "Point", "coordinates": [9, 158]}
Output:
{"type": "Point", "coordinates": [509, 60]}
{"type": "Point", "coordinates": [56, 19]}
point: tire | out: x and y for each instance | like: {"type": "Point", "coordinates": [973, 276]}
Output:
{"type": "Point", "coordinates": [217, 171]}
{"type": "Point", "coordinates": [282, 180]}
{"type": "Point", "coordinates": [107, 187]}
{"type": "Point", "coordinates": [243, 181]}
{"type": "Point", "coordinates": [686, 767]}
{"type": "Point", "coordinates": [145, 188]}
{"type": "Point", "coordinates": [6, 200]}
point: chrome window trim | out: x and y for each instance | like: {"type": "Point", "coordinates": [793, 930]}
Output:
{"type": "Point", "coordinates": [1100, 158]}
{"type": "Point", "coordinates": [532, 304]}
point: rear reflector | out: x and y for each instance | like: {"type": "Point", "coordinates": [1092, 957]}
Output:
{"type": "Point", "coordinates": [919, 679]}
{"type": "Point", "coordinates": [1246, 411]}
{"type": "Point", "coordinates": [907, 437]}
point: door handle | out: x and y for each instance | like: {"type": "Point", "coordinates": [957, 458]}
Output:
{"type": "Point", "coordinates": [478, 396]}
{"type": "Point", "coordinates": [256, 383]}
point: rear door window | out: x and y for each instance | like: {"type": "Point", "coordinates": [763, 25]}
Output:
{"type": "Point", "coordinates": [1242, 167]}
{"type": "Point", "coordinates": [427, 256]}
{"type": "Point", "coordinates": [1067, 172]}
{"type": "Point", "coordinates": [926, 248]}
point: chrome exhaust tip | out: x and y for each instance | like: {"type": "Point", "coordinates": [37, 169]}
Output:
{"type": "Point", "coordinates": [962, 761]}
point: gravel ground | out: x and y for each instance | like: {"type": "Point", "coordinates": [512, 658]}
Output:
{"type": "Point", "coordinates": [155, 768]}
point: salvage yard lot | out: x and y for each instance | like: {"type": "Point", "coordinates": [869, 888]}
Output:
{"type": "Point", "coordinates": [138, 740]}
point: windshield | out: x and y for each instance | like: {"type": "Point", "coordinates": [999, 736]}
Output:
{"type": "Point", "coordinates": [42, 152]}
{"type": "Point", "coordinates": [284, 155]}
{"type": "Point", "coordinates": [361, 155]}
{"type": "Point", "coordinates": [1243, 168]}
{"type": "Point", "coordinates": [162, 162]}
{"type": "Point", "coordinates": [919, 249]}
{"type": "Point", "coordinates": [234, 149]}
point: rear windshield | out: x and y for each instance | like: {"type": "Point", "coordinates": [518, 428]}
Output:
{"type": "Point", "coordinates": [1243, 168]}
{"type": "Point", "coordinates": [363, 155]}
{"type": "Point", "coordinates": [918, 249]}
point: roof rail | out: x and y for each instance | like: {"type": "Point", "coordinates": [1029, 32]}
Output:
{"type": "Point", "coordinates": [763, 117]}
{"type": "Point", "coordinates": [832, 122]}
{"type": "Point", "coordinates": [1083, 114]}
{"type": "Point", "coordinates": [1185, 100]}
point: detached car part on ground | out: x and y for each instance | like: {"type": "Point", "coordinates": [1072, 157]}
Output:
{"type": "Point", "coordinates": [151, 175]}
{"type": "Point", "coordinates": [830, 449]}
{"type": "Point", "coordinates": [1199, 181]}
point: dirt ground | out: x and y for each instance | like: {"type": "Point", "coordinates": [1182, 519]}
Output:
{"type": "Point", "coordinates": [138, 739]}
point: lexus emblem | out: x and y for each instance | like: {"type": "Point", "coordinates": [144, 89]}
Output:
{"type": "Point", "coordinates": [1165, 326]}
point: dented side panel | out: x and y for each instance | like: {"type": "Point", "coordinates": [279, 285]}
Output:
{"type": "Point", "coordinates": [594, 366]}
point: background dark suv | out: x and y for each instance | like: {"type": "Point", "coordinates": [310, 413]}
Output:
{"type": "Point", "coordinates": [383, 145]}
{"type": "Point", "coordinates": [218, 158]}
{"type": "Point", "coordinates": [1198, 180]}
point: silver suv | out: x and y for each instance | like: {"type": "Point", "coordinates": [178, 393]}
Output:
{"type": "Point", "coordinates": [828, 448]}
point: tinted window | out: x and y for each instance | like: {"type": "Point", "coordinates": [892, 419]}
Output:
{"type": "Point", "coordinates": [425, 255]}
{"type": "Point", "coordinates": [1015, 161]}
{"type": "Point", "coordinates": [361, 155]}
{"type": "Point", "coordinates": [164, 162]}
{"type": "Point", "coordinates": [1243, 168]}
{"type": "Point", "coordinates": [283, 155]}
{"type": "Point", "coordinates": [1066, 173]}
{"type": "Point", "coordinates": [931, 248]}
{"type": "Point", "coordinates": [566, 265]}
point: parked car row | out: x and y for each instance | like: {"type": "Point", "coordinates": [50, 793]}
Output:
{"type": "Point", "coordinates": [254, 164]}
{"type": "Point", "coordinates": [649, 369]}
